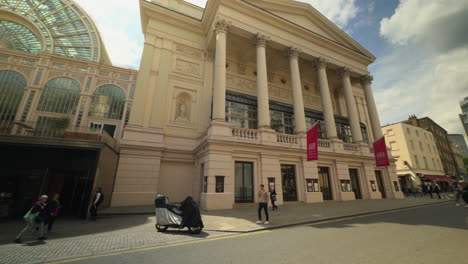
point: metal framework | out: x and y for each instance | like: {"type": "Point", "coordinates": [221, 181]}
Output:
{"type": "Point", "coordinates": [108, 102]}
{"type": "Point", "coordinates": [12, 87]}
{"type": "Point", "coordinates": [65, 28]}
{"type": "Point", "coordinates": [60, 95]}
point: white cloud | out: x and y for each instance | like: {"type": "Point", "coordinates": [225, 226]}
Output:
{"type": "Point", "coordinates": [420, 74]}
{"type": "Point", "coordinates": [338, 11]}
{"type": "Point", "coordinates": [118, 22]}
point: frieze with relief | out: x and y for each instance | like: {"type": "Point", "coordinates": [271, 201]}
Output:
{"type": "Point", "coordinates": [187, 67]}
{"type": "Point", "coordinates": [279, 93]}
{"type": "Point", "coordinates": [237, 83]}
{"type": "Point", "coordinates": [188, 51]}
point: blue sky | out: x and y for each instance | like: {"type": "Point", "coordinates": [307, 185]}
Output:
{"type": "Point", "coordinates": [421, 48]}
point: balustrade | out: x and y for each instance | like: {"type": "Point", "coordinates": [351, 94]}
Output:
{"type": "Point", "coordinates": [288, 139]}
{"type": "Point", "coordinates": [351, 147]}
{"type": "Point", "coordinates": [324, 143]}
{"type": "Point", "coordinates": [244, 133]}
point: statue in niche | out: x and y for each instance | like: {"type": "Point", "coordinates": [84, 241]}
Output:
{"type": "Point", "coordinates": [182, 114]}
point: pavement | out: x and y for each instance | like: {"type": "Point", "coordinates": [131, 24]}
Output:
{"type": "Point", "coordinates": [423, 235]}
{"type": "Point", "coordinates": [130, 230]}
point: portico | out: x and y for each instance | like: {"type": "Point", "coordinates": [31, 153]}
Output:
{"type": "Point", "coordinates": [252, 81]}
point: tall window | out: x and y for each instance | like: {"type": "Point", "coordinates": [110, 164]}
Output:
{"type": "Point", "coordinates": [344, 133]}
{"type": "Point", "coordinates": [241, 115]}
{"type": "Point", "coordinates": [434, 164]}
{"type": "Point", "coordinates": [426, 166]}
{"type": "Point", "coordinates": [12, 86]}
{"type": "Point", "coordinates": [60, 95]}
{"type": "Point", "coordinates": [408, 131]}
{"type": "Point", "coordinates": [411, 144]}
{"type": "Point", "coordinates": [421, 146]}
{"type": "Point", "coordinates": [282, 122]}
{"type": "Point", "coordinates": [108, 102]}
{"type": "Point", "coordinates": [417, 133]}
{"type": "Point", "coordinates": [416, 160]}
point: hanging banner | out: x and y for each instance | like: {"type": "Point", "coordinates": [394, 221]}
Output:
{"type": "Point", "coordinates": [312, 143]}
{"type": "Point", "coordinates": [380, 152]}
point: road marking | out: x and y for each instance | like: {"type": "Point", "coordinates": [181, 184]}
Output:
{"type": "Point", "coordinates": [234, 236]}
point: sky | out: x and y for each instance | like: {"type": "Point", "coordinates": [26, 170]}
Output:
{"type": "Point", "coordinates": [421, 48]}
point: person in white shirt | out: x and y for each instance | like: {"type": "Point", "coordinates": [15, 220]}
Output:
{"type": "Point", "coordinates": [97, 200]}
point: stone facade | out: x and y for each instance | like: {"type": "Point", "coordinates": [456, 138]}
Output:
{"type": "Point", "coordinates": [183, 139]}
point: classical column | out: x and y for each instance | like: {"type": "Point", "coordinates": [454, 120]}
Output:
{"type": "Point", "coordinates": [262, 83]}
{"type": "Point", "coordinates": [219, 82]}
{"type": "Point", "coordinates": [353, 116]}
{"type": "Point", "coordinates": [299, 115]}
{"type": "Point", "coordinates": [327, 107]}
{"type": "Point", "coordinates": [366, 82]}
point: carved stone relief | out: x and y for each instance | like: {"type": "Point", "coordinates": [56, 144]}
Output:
{"type": "Point", "coordinates": [187, 67]}
{"type": "Point", "coordinates": [237, 83]}
{"type": "Point", "coordinates": [183, 108]}
{"type": "Point", "coordinates": [188, 51]}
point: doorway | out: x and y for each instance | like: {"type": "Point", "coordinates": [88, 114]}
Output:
{"type": "Point", "coordinates": [243, 182]}
{"type": "Point", "coordinates": [380, 183]}
{"type": "Point", "coordinates": [355, 185]}
{"type": "Point", "coordinates": [324, 182]}
{"type": "Point", "coordinates": [288, 176]}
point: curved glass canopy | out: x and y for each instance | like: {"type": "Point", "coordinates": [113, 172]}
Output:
{"type": "Point", "coordinates": [17, 37]}
{"type": "Point", "coordinates": [66, 29]}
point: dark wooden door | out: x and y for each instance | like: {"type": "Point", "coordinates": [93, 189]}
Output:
{"type": "Point", "coordinates": [325, 184]}
{"type": "Point", "coordinates": [355, 185]}
{"type": "Point", "coordinates": [288, 176]}
{"type": "Point", "coordinates": [243, 182]}
{"type": "Point", "coordinates": [380, 183]}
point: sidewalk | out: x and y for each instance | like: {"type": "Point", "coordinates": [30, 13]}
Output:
{"type": "Point", "coordinates": [243, 219]}
{"type": "Point", "coordinates": [126, 228]}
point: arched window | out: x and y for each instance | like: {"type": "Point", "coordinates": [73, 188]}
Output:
{"type": "Point", "coordinates": [60, 95]}
{"type": "Point", "coordinates": [12, 86]}
{"type": "Point", "coordinates": [108, 102]}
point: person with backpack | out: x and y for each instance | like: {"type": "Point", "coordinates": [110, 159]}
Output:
{"type": "Point", "coordinates": [36, 215]}
{"type": "Point", "coordinates": [273, 199]}
{"type": "Point", "coordinates": [97, 200]}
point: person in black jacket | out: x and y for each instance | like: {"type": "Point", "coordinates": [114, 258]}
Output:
{"type": "Point", "coordinates": [52, 208]}
{"type": "Point", "coordinates": [97, 200]}
{"type": "Point", "coordinates": [273, 199]}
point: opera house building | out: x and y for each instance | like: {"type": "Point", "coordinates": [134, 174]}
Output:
{"type": "Point", "coordinates": [225, 95]}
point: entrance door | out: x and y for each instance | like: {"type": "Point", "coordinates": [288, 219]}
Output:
{"type": "Point", "coordinates": [354, 175]}
{"type": "Point", "coordinates": [325, 185]}
{"type": "Point", "coordinates": [243, 182]}
{"type": "Point", "coordinates": [380, 183]}
{"type": "Point", "coordinates": [288, 176]}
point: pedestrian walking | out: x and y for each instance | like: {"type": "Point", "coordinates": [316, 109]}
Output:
{"type": "Point", "coordinates": [35, 216]}
{"type": "Point", "coordinates": [273, 199]}
{"type": "Point", "coordinates": [458, 193]}
{"type": "Point", "coordinates": [429, 190]}
{"type": "Point", "coordinates": [262, 204]}
{"type": "Point", "coordinates": [52, 208]}
{"type": "Point", "coordinates": [97, 200]}
{"type": "Point", "coordinates": [437, 190]}
{"type": "Point", "coordinates": [420, 191]}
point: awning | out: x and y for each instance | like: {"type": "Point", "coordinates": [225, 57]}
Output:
{"type": "Point", "coordinates": [402, 175]}
{"type": "Point", "coordinates": [436, 178]}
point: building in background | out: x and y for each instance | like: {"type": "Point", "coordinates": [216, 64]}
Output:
{"type": "Point", "coordinates": [459, 141]}
{"type": "Point", "coordinates": [459, 159]}
{"type": "Point", "coordinates": [464, 114]}
{"type": "Point", "coordinates": [225, 95]}
{"type": "Point", "coordinates": [63, 105]}
{"type": "Point", "coordinates": [418, 159]}
{"type": "Point", "coordinates": [443, 144]}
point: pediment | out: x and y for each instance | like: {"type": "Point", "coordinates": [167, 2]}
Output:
{"type": "Point", "coordinates": [306, 16]}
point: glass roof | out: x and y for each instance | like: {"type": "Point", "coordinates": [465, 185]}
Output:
{"type": "Point", "coordinates": [65, 27]}
{"type": "Point", "coordinates": [17, 37]}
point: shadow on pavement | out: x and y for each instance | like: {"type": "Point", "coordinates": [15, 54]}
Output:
{"type": "Point", "coordinates": [422, 216]}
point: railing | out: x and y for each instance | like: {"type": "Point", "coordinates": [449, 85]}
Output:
{"type": "Point", "coordinates": [244, 133]}
{"type": "Point", "coordinates": [288, 139]}
{"type": "Point", "coordinates": [324, 143]}
{"type": "Point", "coordinates": [35, 129]}
{"type": "Point", "coordinates": [350, 147]}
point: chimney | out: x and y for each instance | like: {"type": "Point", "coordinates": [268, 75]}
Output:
{"type": "Point", "coordinates": [413, 120]}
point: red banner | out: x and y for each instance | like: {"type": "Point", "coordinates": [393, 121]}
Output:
{"type": "Point", "coordinates": [312, 143]}
{"type": "Point", "coordinates": [380, 152]}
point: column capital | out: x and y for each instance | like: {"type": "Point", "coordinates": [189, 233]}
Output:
{"type": "Point", "coordinates": [222, 25]}
{"type": "Point", "coordinates": [262, 40]}
{"type": "Point", "coordinates": [209, 54]}
{"type": "Point", "coordinates": [344, 72]}
{"type": "Point", "coordinates": [367, 79]}
{"type": "Point", "coordinates": [320, 63]}
{"type": "Point", "coordinates": [294, 52]}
